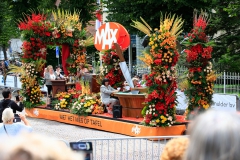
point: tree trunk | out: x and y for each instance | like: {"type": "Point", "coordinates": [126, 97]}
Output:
{"type": "Point", "coordinates": [3, 66]}
{"type": "Point", "coordinates": [4, 51]}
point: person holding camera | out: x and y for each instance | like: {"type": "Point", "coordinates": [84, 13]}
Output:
{"type": "Point", "coordinates": [8, 103]}
{"type": "Point", "coordinates": [12, 129]}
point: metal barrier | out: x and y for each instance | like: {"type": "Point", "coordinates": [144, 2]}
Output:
{"type": "Point", "coordinates": [127, 148]}
{"type": "Point", "coordinates": [14, 83]}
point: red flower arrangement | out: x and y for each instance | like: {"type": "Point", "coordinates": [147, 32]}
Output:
{"type": "Point", "coordinates": [110, 68]}
{"type": "Point", "coordinates": [200, 77]}
{"type": "Point", "coordinates": [161, 56]}
{"type": "Point", "coordinates": [37, 31]}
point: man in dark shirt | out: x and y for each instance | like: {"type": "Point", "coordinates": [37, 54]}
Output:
{"type": "Point", "coordinates": [7, 102]}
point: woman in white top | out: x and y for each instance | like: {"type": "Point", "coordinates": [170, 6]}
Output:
{"type": "Point", "coordinates": [106, 91]}
{"type": "Point", "coordinates": [50, 75]}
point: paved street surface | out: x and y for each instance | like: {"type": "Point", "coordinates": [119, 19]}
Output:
{"type": "Point", "coordinates": [120, 147]}
{"type": "Point", "coordinates": [67, 132]}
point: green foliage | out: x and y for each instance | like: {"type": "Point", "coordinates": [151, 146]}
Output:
{"type": "Point", "coordinates": [87, 8]}
{"type": "Point", "coordinates": [7, 29]}
{"type": "Point", "coordinates": [124, 11]}
{"type": "Point", "coordinates": [225, 22]}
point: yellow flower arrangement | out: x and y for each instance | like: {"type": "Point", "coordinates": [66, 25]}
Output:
{"type": "Point", "coordinates": [161, 56]}
{"type": "Point", "coordinates": [86, 104]}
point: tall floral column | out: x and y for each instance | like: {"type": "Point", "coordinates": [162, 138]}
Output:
{"type": "Point", "coordinates": [161, 56]}
{"type": "Point", "coordinates": [110, 68]}
{"type": "Point", "coordinates": [200, 75]}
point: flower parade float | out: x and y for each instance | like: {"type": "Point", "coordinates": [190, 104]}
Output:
{"type": "Point", "coordinates": [198, 87]}
{"type": "Point", "coordinates": [78, 107]}
{"type": "Point", "coordinates": [161, 56]}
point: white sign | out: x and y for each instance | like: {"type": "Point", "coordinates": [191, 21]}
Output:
{"type": "Point", "coordinates": [182, 101]}
{"type": "Point", "coordinates": [224, 102]}
{"type": "Point", "coordinates": [19, 83]}
{"type": "Point", "coordinates": [220, 102]}
{"type": "Point", "coordinates": [106, 36]}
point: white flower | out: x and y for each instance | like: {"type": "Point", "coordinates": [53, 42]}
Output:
{"type": "Point", "coordinates": [170, 118]}
{"type": "Point", "coordinates": [153, 109]}
{"type": "Point", "coordinates": [150, 109]}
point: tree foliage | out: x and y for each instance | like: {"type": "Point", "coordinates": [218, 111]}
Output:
{"type": "Point", "coordinates": [7, 29]}
{"type": "Point", "coordinates": [225, 30]}
{"type": "Point", "coordinates": [124, 11]}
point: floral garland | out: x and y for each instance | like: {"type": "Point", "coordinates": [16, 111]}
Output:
{"type": "Point", "coordinates": [200, 75]}
{"type": "Point", "coordinates": [86, 104]}
{"type": "Point", "coordinates": [37, 31]}
{"type": "Point", "coordinates": [110, 68]}
{"type": "Point", "coordinates": [65, 99]}
{"type": "Point", "coordinates": [161, 56]}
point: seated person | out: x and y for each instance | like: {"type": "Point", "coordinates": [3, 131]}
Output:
{"type": "Point", "coordinates": [105, 91]}
{"type": "Point", "coordinates": [136, 82]}
{"type": "Point", "coordinates": [143, 81]}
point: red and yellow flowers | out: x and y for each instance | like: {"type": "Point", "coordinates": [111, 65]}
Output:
{"type": "Point", "coordinates": [161, 57]}
{"type": "Point", "coordinates": [110, 68]}
{"type": "Point", "coordinates": [200, 75]}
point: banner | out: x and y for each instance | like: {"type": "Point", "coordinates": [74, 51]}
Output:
{"type": "Point", "coordinates": [220, 102]}
{"type": "Point", "coordinates": [224, 102]}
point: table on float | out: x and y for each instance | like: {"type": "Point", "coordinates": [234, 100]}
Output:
{"type": "Point", "coordinates": [132, 104]}
{"type": "Point", "coordinates": [62, 85]}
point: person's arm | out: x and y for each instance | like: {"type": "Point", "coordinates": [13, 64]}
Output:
{"type": "Point", "coordinates": [24, 119]}
{"type": "Point", "coordinates": [112, 89]}
{"type": "Point", "coordinates": [104, 89]}
{"type": "Point", "coordinates": [19, 107]}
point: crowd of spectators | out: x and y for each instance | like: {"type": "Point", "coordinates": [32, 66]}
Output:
{"type": "Point", "coordinates": [213, 135]}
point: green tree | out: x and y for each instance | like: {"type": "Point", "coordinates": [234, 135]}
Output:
{"type": "Point", "coordinates": [87, 9]}
{"type": "Point", "coordinates": [124, 11]}
{"type": "Point", "coordinates": [225, 22]}
{"type": "Point", "coordinates": [7, 29]}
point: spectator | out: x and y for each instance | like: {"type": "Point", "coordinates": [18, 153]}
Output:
{"type": "Point", "coordinates": [7, 102]}
{"type": "Point", "coordinates": [36, 147]}
{"type": "Point", "coordinates": [136, 82]}
{"type": "Point", "coordinates": [143, 80]}
{"type": "Point", "coordinates": [12, 129]}
{"type": "Point", "coordinates": [214, 135]}
{"type": "Point", "coordinates": [106, 91]}
{"type": "Point", "coordinates": [175, 149]}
